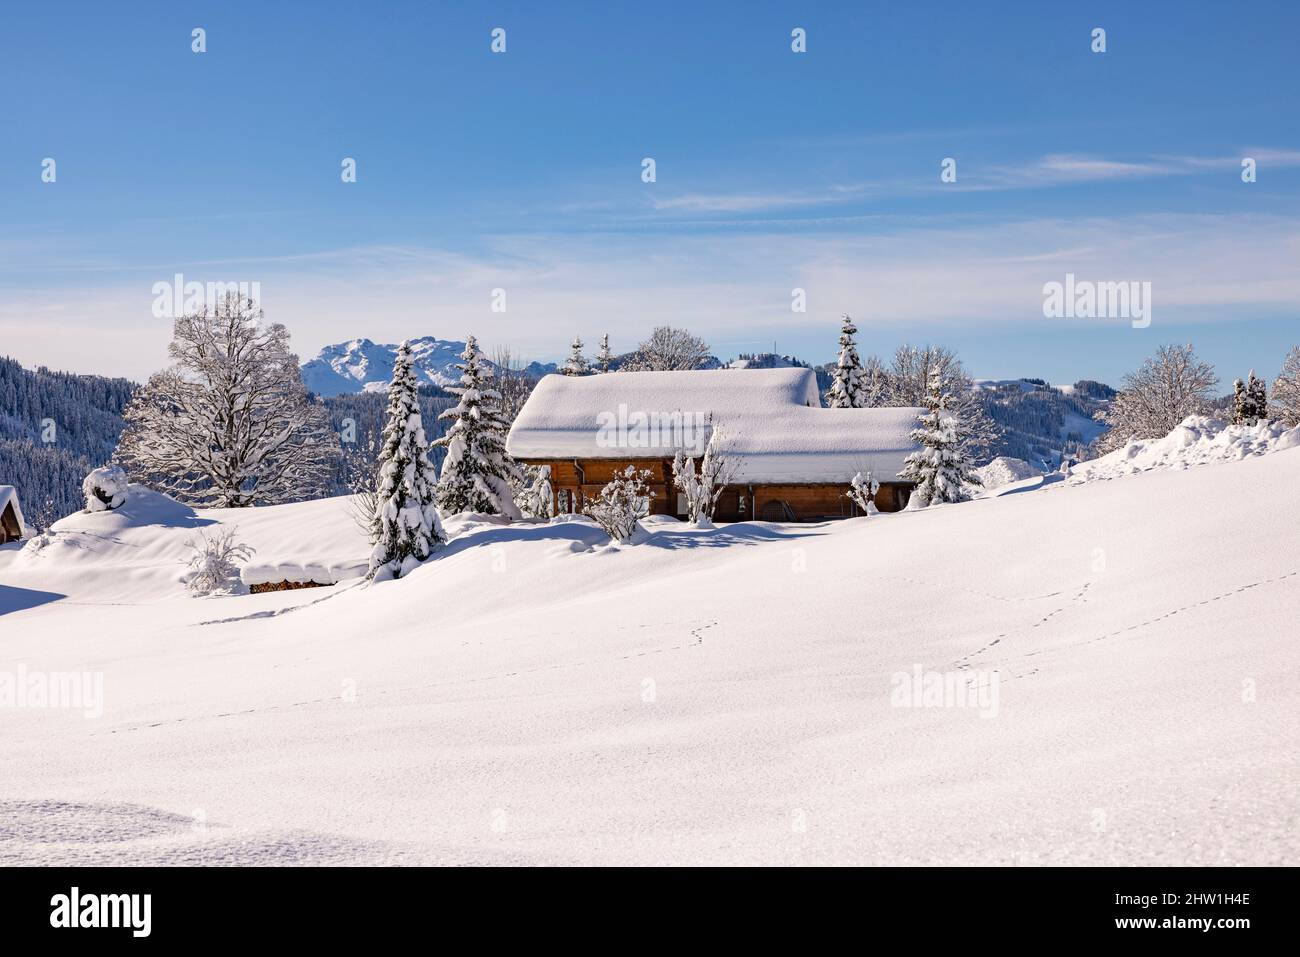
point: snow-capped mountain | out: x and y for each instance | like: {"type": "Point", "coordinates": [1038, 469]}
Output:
{"type": "Point", "coordinates": [360, 365]}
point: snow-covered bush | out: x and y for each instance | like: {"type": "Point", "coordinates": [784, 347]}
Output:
{"type": "Point", "coordinates": [105, 488]}
{"type": "Point", "coordinates": [537, 499]}
{"type": "Point", "coordinates": [622, 503]}
{"type": "Point", "coordinates": [862, 491]}
{"type": "Point", "coordinates": [939, 467]}
{"type": "Point", "coordinates": [213, 568]}
{"type": "Point", "coordinates": [702, 488]}
{"type": "Point", "coordinates": [407, 527]}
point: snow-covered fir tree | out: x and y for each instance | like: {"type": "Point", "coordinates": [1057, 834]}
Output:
{"type": "Point", "coordinates": [1256, 399]}
{"type": "Point", "coordinates": [939, 467]}
{"type": "Point", "coordinates": [406, 527]}
{"type": "Point", "coordinates": [604, 357]}
{"type": "Point", "coordinates": [537, 500]}
{"type": "Point", "coordinates": [1249, 400]}
{"type": "Point", "coordinates": [908, 383]}
{"type": "Point", "coordinates": [848, 383]}
{"type": "Point", "coordinates": [576, 364]}
{"type": "Point", "coordinates": [477, 472]}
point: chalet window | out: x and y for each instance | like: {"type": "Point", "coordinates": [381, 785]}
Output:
{"type": "Point", "coordinates": [681, 504]}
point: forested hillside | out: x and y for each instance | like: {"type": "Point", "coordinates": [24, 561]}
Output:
{"type": "Point", "coordinates": [54, 428]}
{"type": "Point", "coordinates": [1040, 422]}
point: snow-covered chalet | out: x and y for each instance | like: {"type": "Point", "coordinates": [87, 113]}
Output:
{"type": "Point", "coordinates": [11, 515]}
{"type": "Point", "coordinates": [793, 458]}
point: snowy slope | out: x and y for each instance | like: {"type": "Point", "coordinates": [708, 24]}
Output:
{"type": "Point", "coordinates": [1198, 440]}
{"type": "Point", "coordinates": [360, 365]}
{"type": "Point", "coordinates": [138, 552]}
{"type": "Point", "coordinates": [720, 696]}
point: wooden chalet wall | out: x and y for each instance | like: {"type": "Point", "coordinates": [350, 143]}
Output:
{"type": "Point", "coordinates": [10, 530]}
{"type": "Point", "coordinates": [576, 482]}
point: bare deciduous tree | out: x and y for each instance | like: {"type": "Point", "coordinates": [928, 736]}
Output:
{"type": "Point", "coordinates": [1286, 390]}
{"type": "Point", "coordinates": [1170, 386]}
{"type": "Point", "coordinates": [513, 381]}
{"type": "Point", "coordinates": [668, 350]}
{"type": "Point", "coordinates": [229, 424]}
{"type": "Point", "coordinates": [908, 382]}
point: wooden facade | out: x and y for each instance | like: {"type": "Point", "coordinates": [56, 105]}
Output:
{"type": "Point", "coordinates": [575, 481]}
{"type": "Point", "coordinates": [11, 528]}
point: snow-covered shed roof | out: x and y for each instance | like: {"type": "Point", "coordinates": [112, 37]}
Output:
{"type": "Point", "coordinates": [9, 496]}
{"type": "Point", "coordinates": [772, 421]}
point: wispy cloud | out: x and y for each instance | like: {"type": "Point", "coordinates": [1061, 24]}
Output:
{"type": "Point", "coordinates": [760, 202]}
{"type": "Point", "coordinates": [1063, 169]}
{"type": "Point", "coordinates": [1051, 170]}
{"type": "Point", "coordinates": [729, 287]}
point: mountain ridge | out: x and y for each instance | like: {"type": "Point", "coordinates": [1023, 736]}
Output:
{"type": "Point", "coordinates": [361, 365]}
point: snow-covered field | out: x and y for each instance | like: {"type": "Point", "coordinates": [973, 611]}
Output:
{"type": "Point", "coordinates": [720, 696]}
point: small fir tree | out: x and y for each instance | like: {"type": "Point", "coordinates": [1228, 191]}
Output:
{"type": "Point", "coordinates": [939, 467]}
{"type": "Point", "coordinates": [477, 472]}
{"type": "Point", "coordinates": [538, 498]}
{"type": "Point", "coordinates": [1249, 400]}
{"type": "Point", "coordinates": [1238, 402]}
{"type": "Point", "coordinates": [604, 358]}
{"type": "Point", "coordinates": [848, 384]}
{"type": "Point", "coordinates": [1257, 398]}
{"type": "Point", "coordinates": [576, 364]}
{"type": "Point", "coordinates": [405, 527]}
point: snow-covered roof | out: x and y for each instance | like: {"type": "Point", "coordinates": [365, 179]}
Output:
{"type": "Point", "coordinates": [9, 496]}
{"type": "Point", "coordinates": [772, 421]}
{"type": "Point", "coordinates": [321, 572]}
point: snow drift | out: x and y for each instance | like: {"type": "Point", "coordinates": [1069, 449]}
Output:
{"type": "Point", "coordinates": [1004, 470]}
{"type": "Point", "coordinates": [1198, 440]}
{"type": "Point", "coordinates": [139, 552]}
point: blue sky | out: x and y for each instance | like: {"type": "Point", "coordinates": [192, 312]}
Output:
{"type": "Point", "coordinates": [775, 170]}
